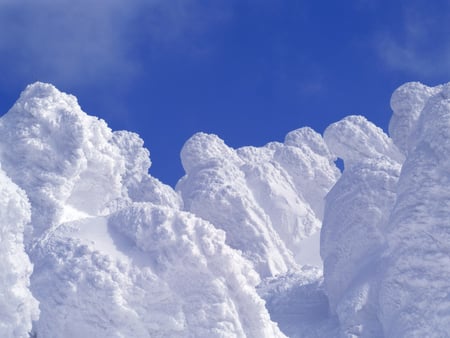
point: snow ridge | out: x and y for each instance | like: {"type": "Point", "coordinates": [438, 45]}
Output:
{"type": "Point", "coordinates": [261, 193]}
{"type": "Point", "coordinates": [356, 213]}
{"type": "Point", "coordinates": [415, 274]}
{"type": "Point", "coordinates": [113, 253]}
{"type": "Point", "coordinates": [384, 235]}
{"type": "Point", "coordinates": [94, 246]}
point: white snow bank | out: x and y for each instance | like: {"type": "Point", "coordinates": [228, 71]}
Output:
{"type": "Point", "coordinates": [140, 186]}
{"type": "Point", "coordinates": [416, 270]}
{"type": "Point", "coordinates": [385, 235]}
{"type": "Point", "coordinates": [146, 271]}
{"type": "Point", "coordinates": [58, 155]}
{"type": "Point", "coordinates": [407, 103]}
{"type": "Point", "coordinates": [356, 212]}
{"type": "Point", "coordinates": [17, 305]}
{"type": "Point", "coordinates": [213, 283]}
{"type": "Point", "coordinates": [310, 163]}
{"type": "Point", "coordinates": [298, 303]}
{"type": "Point", "coordinates": [268, 200]}
{"type": "Point", "coordinates": [355, 139]}
{"type": "Point", "coordinates": [114, 255]}
{"type": "Point", "coordinates": [61, 156]}
{"type": "Point", "coordinates": [215, 188]}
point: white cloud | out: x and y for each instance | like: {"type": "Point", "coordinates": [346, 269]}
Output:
{"type": "Point", "coordinates": [422, 44]}
{"type": "Point", "coordinates": [412, 58]}
{"type": "Point", "coordinates": [78, 42]}
{"type": "Point", "coordinates": [63, 40]}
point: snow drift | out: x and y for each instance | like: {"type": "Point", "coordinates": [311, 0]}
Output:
{"type": "Point", "coordinates": [93, 246]}
{"type": "Point", "coordinates": [269, 200]}
{"type": "Point", "coordinates": [353, 232]}
{"type": "Point", "coordinates": [114, 255]}
{"type": "Point", "coordinates": [385, 232]}
{"type": "Point", "coordinates": [17, 305]}
{"type": "Point", "coordinates": [415, 272]}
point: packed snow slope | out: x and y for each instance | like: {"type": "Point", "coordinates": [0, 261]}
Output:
{"type": "Point", "coordinates": [268, 241]}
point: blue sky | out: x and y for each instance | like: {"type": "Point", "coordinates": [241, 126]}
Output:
{"type": "Point", "coordinates": [247, 70]}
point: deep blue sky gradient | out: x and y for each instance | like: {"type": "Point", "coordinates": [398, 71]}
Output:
{"type": "Point", "coordinates": [249, 71]}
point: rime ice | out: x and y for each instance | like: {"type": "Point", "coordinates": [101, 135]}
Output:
{"type": "Point", "coordinates": [253, 242]}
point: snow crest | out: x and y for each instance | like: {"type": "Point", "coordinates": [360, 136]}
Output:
{"type": "Point", "coordinates": [356, 212]}
{"type": "Point", "coordinates": [113, 254]}
{"type": "Point", "coordinates": [415, 274]}
{"type": "Point", "coordinates": [94, 246]}
{"type": "Point", "coordinates": [260, 196]}
{"type": "Point", "coordinates": [385, 231]}
{"type": "Point", "coordinates": [145, 271]}
{"type": "Point", "coordinates": [63, 157]}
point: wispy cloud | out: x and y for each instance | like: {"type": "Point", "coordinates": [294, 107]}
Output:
{"type": "Point", "coordinates": [420, 42]}
{"type": "Point", "coordinates": [63, 40]}
{"type": "Point", "coordinates": [83, 41]}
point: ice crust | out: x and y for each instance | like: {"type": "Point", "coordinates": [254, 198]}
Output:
{"type": "Point", "coordinates": [94, 246]}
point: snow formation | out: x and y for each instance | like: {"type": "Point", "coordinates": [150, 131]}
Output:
{"type": "Point", "coordinates": [414, 280]}
{"type": "Point", "coordinates": [93, 246]}
{"type": "Point", "coordinates": [18, 307]}
{"type": "Point", "coordinates": [268, 200]}
{"type": "Point", "coordinates": [357, 210]}
{"type": "Point", "coordinates": [385, 233]}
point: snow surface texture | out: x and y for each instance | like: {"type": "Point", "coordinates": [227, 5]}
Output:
{"type": "Point", "coordinates": [414, 282]}
{"type": "Point", "coordinates": [268, 200]}
{"type": "Point", "coordinates": [93, 246]}
{"type": "Point", "coordinates": [356, 213]}
{"type": "Point", "coordinates": [17, 305]}
{"type": "Point", "coordinates": [385, 234]}
{"type": "Point", "coordinates": [114, 255]}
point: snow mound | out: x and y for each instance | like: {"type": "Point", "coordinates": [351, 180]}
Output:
{"type": "Point", "coordinates": [146, 271]}
{"type": "Point", "coordinates": [407, 103]}
{"type": "Point", "coordinates": [260, 196]}
{"type": "Point", "coordinates": [62, 157]}
{"type": "Point", "coordinates": [113, 254]}
{"type": "Point", "coordinates": [213, 283]}
{"type": "Point", "coordinates": [17, 305]}
{"type": "Point", "coordinates": [415, 274]}
{"type": "Point", "coordinates": [299, 304]}
{"type": "Point", "coordinates": [91, 245]}
{"type": "Point", "coordinates": [357, 209]}
{"type": "Point", "coordinates": [384, 239]}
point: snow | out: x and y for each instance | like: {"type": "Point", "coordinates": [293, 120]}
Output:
{"type": "Point", "coordinates": [269, 200]}
{"type": "Point", "coordinates": [414, 279]}
{"type": "Point", "coordinates": [113, 253]}
{"type": "Point", "coordinates": [18, 307]}
{"type": "Point", "coordinates": [385, 227]}
{"type": "Point", "coordinates": [407, 103]}
{"type": "Point", "coordinates": [268, 241]}
{"type": "Point", "coordinates": [146, 271]}
{"type": "Point", "coordinates": [298, 303]}
{"type": "Point", "coordinates": [356, 211]}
